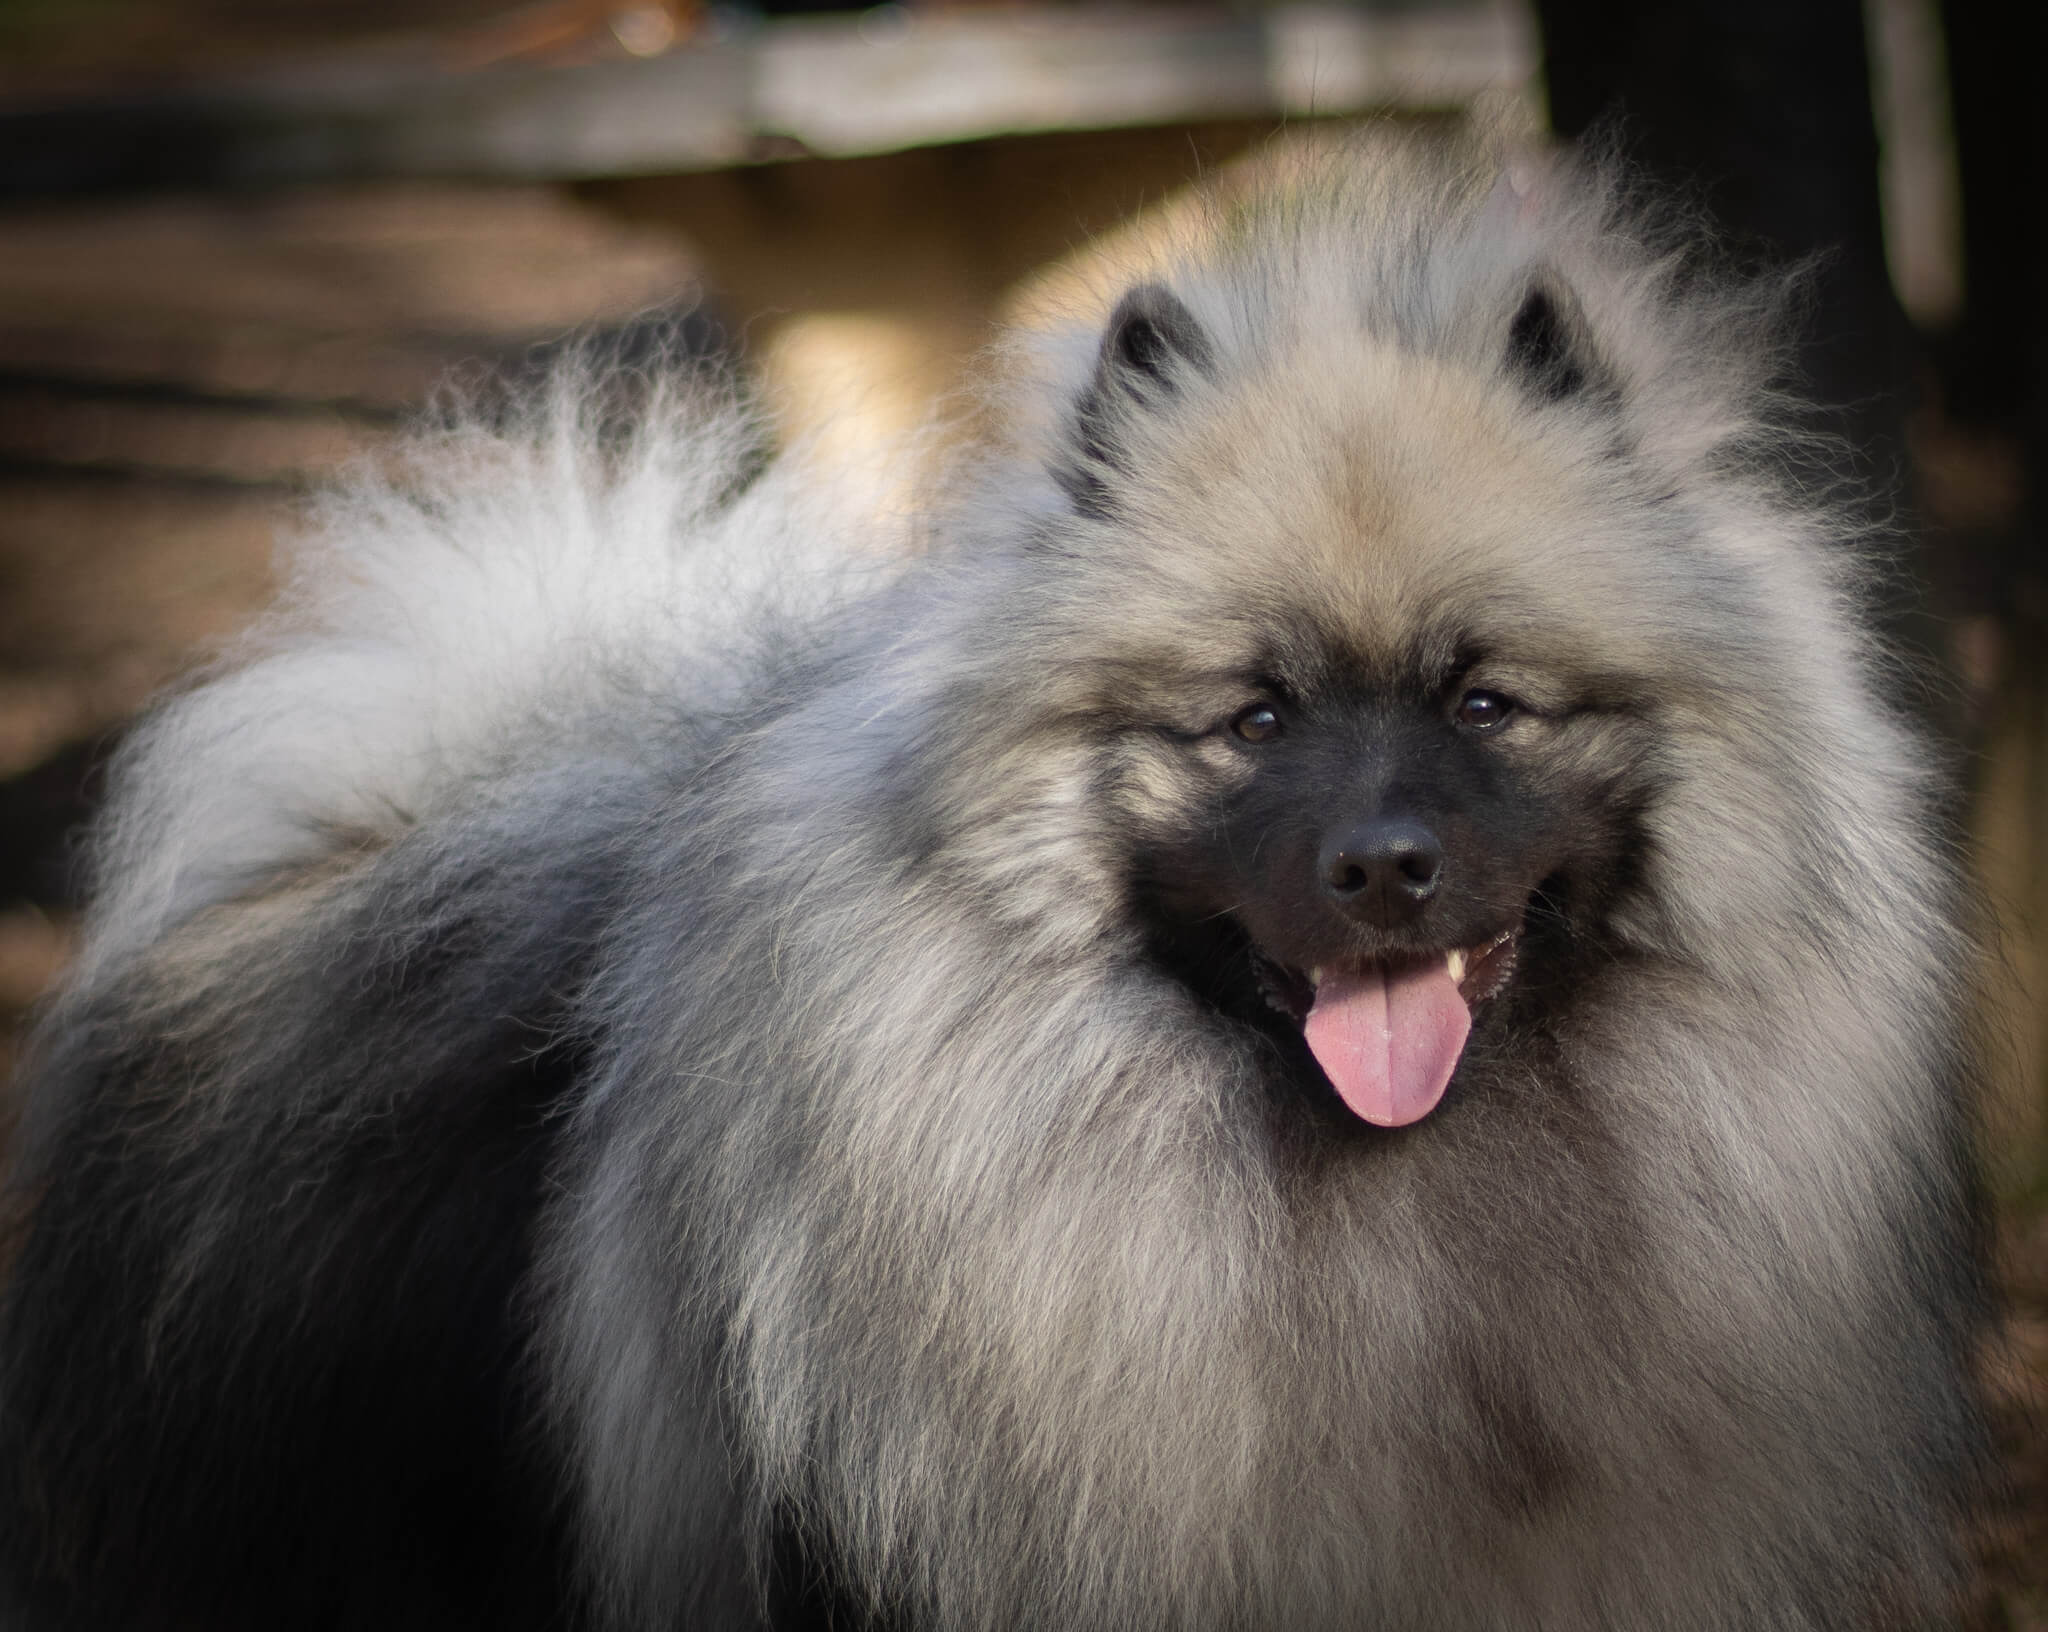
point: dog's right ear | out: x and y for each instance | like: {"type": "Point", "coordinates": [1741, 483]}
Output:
{"type": "Point", "coordinates": [1151, 349]}
{"type": "Point", "coordinates": [1151, 337]}
{"type": "Point", "coordinates": [1547, 349]}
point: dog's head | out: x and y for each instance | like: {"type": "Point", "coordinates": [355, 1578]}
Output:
{"type": "Point", "coordinates": [1397, 622]}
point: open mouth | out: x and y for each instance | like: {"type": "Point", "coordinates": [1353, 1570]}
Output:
{"type": "Point", "coordinates": [1389, 1035]}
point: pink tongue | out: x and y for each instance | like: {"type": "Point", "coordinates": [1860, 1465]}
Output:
{"type": "Point", "coordinates": [1389, 1043]}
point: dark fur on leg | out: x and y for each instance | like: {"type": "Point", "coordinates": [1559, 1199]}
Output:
{"type": "Point", "coordinates": [263, 1335]}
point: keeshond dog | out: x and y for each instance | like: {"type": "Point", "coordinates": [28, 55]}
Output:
{"type": "Point", "coordinates": [1329, 1000]}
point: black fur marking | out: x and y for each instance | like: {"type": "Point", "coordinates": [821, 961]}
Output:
{"type": "Point", "coordinates": [1148, 332]}
{"type": "Point", "coordinates": [1152, 339]}
{"type": "Point", "coordinates": [1526, 1464]}
{"type": "Point", "coordinates": [352, 1450]}
{"type": "Point", "coordinates": [1541, 348]}
{"type": "Point", "coordinates": [189, 1437]}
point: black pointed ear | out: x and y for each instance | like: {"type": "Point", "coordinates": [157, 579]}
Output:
{"type": "Point", "coordinates": [1546, 350]}
{"type": "Point", "coordinates": [1151, 336]}
{"type": "Point", "coordinates": [1152, 346]}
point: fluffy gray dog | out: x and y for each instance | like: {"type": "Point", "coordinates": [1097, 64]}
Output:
{"type": "Point", "coordinates": [1336, 1006]}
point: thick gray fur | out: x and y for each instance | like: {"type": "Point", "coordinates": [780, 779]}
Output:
{"type": "Point", "coordinates": [905, 1218]}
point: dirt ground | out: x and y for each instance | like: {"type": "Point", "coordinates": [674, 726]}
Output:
{"type": "Point", "coordinates": [2012, 1541]}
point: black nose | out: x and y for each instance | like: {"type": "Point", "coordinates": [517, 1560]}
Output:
{"type": "Point", "coordinates": [1383, 871]}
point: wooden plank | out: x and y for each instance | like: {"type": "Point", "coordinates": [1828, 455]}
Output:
{"type": "Point", "coordinates": [890, 79]}
{"type": "Point", "coordinates": [233, 443]}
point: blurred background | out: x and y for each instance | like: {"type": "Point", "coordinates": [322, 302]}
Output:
{"type": "Point", "coordinates": [242, 240]}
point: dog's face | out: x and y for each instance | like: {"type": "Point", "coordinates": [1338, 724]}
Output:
{"type": "Point", "coordinates": [1386, 765]}
{"type": "Point", "coordinates": [1365, 871]}
{"type": "Point", "coordinates": [1374, 874]}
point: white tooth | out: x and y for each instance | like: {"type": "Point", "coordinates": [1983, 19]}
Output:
{"type": "Point", "coordinates": [1315, 977]}
{"type": "Point", "coordinates": [1456, 960]}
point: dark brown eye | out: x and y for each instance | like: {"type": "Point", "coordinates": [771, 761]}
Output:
{"type": "Point", "coordinates": [1259, 723]}
{"type": "Point", "coordinates": [1483, 710]}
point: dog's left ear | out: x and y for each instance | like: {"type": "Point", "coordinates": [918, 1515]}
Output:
{"type": "Point", "coordinates": [1151, 350]}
